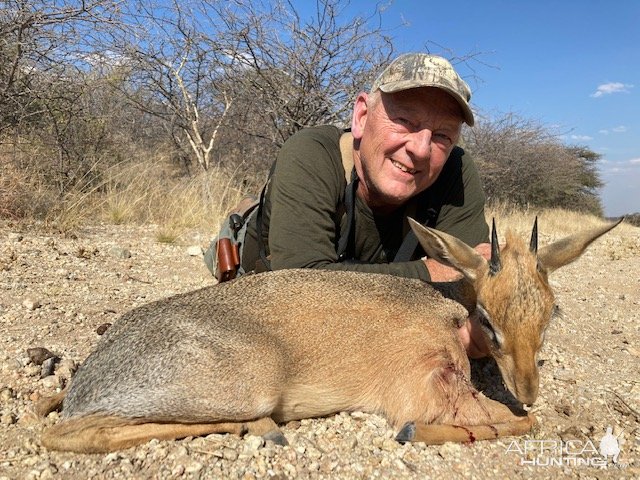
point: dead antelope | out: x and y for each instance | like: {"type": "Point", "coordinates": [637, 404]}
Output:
{"type": "Point", "coordinates": [246, 355]}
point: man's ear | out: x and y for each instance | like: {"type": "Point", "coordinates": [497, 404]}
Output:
{"type": "Point", "coordinates": [359, 118]}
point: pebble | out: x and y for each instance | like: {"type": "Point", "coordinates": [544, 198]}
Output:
{"type": "Point", "coordinates": [253, 443]}
{"type": "Point", "coordinates": [6, 394]}
{"type": "Point", "coordinates": [193, 467]}
{"type": "Point", "coordinates": [159, 453]}
{"type": "Point", "coordinates": [390, 445]}
{"type": "Point", "coordinates": [47, 367]}
{"type": "Point", "coordinates": [7, 418]}
{"type": "Point", "coordinates": [66, 368]}
{"type": "Point", "coordinates": [101, 330]}
{"type": "Point", "coordinates": [194, 251]}
{"type": "Point", "coordinates": [181, 451]}
{"type": "Point", "coordinates": [448, 450]}
{"type": "Point", "coordinates": [178, 471]}
{"type": "Point", "coordinates": [111, 457]}
{"type": "Point", "coordinates": [31, 304]}
{"type": "Point", "coordinates": [52, 381]}
{"type": "Point", "coordinates": [229, 454]}
{"type": "Point", "coordinates": [119, 252]}
{"type": "Point", "coordinates": [313, 453]}
{"type": "Point", "coordinates": [564, 375]}
{"type": "Point", "coordinates": [32, 370]}
{"type": "Point", "coordinates": [38, 355]}
{"type": "Point", "coordinates": [62, 272]}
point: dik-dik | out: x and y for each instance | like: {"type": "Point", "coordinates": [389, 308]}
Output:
{"type": "Point", "coordinates": [264, 349]}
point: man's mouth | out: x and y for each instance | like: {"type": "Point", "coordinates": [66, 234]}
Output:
{"type": "Point", "coordinates": [412, 171]}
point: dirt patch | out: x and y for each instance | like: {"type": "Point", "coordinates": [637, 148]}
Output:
{"type": "Point", "coordinates": [57, 292]}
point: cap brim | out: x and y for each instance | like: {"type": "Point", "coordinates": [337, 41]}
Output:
{"type": "Point", "coordinates": [408, 84]}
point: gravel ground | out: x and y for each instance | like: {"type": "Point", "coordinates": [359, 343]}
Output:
{"type": "Point", "coordinates": [56, 293]}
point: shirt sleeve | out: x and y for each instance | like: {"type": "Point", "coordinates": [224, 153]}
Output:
{"type": "Point", "coordinates": [306, 188]}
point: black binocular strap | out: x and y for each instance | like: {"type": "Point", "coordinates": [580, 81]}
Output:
{"type": "Point", "coordinates": [346, 244]}
{"type": "Point", "coordinates": [410, 241]}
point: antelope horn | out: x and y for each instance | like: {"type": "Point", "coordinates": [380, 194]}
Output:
{"type": "Point", "coordinates": [533, 245]}
{"type": "Point", "coordinates": [494, 263]}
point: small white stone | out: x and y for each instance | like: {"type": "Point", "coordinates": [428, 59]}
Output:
{"type": "Point", "coordinates": [194, 467]}
{"type": "Point", "coordinates": [178, 470]}
{"type": "Point", "coordinates": [111, 457]}
{"type": "Point", "coordinates": [52, 381]}
{"type": "Point", "coordinates": [31, 304]}
{"type": "Point", "coordinates": [253, 442]}
{"type": "Point", "coordinates": [7, 418]}
{"type": "Point", "coordinates": [390, 445]}
{"type": "Point", "coordinates": [229, 454]}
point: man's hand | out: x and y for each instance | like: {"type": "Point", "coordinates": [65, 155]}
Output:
{"type": "Point", "coordinates": [443, 273]}
{"type": "Point", "coordinates": [439, 272]}
{"type": "Point", "coordinates": [472, 338]}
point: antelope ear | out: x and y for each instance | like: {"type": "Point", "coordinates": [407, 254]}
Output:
{"type": "Point", "coordinates": [450, 251]}
{"type": "Point", "coordinates": [565, 251]}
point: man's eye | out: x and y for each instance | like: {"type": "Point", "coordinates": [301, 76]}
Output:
{"type": "Point", "coordinates": [404, 121]}
{"type": "Point", "coordinates": [442, 139]}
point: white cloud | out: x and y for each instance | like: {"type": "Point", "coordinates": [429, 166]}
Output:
{"type": "Point", "coordinates": [611, 87]}
{"type": "Point", "coordinates": [582, 138]}
{"type": "Point", "coordinates": [622, 167]}
{"type": "Point", "coordinates": [618, 129]}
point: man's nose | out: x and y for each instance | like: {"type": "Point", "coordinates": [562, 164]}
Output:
{"type": "Point", "coordinates": [419, 144]}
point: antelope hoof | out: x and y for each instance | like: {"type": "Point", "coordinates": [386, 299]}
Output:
{"type": "Point", "coordinates": [276, 437]}
{"type": "Point", "coordinates": [407, 433]}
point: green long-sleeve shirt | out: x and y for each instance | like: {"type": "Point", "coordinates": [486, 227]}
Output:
{"type": "Point", "coordinates": [304, 214]}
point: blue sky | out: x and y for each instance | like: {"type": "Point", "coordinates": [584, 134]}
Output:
{"type": "Point", "coordinates": [571, 65]}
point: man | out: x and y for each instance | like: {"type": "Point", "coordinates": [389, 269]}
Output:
{"type": "Point", "coordinates": [402, 146]}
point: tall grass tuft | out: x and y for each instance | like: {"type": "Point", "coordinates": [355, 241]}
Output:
{"type": "Point", "coordinates": [148, 193]}
{"type": "Point", "coordinates": [551, 221]}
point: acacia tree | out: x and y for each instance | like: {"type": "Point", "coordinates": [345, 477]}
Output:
{"type": "Point", "coordinates": [301, 71]}
{"type": "Point", "coordinates": [45, 63]}
{"type": "Point", "coordinates": [255, 68]}
{"type": "Point", "coordinates": [171, 74]}
{"type": "Point", "coordinates": [522, 162]}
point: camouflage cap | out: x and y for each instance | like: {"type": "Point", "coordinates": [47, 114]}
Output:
{"type": "Point", "coordinates": [413, 70]}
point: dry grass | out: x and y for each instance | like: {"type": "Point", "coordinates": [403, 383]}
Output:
{"type": "Point", "coordinates": [22, 194]}
{"type": "Point", "coordinates": [151, 193]}
{"type": "Point", "coordinates": [555, 223]}
{"type": "Point", "coordinates": [551, 221]}
{"type": "Point", "coordinates": [146, 193]}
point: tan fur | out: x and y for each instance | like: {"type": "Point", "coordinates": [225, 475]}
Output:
{"type": "Point", "coordinates": [100, 434]}
{"type": "Point", "coordinates": [296, 344]}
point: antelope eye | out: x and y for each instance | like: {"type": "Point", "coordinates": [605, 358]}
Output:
{"type": "Point", "coordinates": [484, 322]}
{"type": "Point", "coordinates": [486, 326]}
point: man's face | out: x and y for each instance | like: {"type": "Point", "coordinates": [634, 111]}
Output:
{"type": "Point", "coordinates": [404, 139]}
